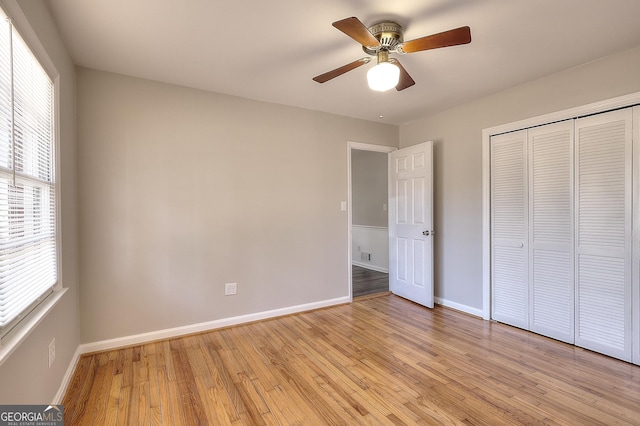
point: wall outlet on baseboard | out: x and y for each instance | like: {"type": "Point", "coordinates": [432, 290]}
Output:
{"type": "Point", "coordinates": [230, 289]}
{"type": "Point", "coordinates": [52, 351]}
{"type": "Point", "coordinates": [365, 256]}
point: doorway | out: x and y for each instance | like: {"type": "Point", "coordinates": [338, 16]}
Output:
{"type": "Point", "coordinates": [368, 219]}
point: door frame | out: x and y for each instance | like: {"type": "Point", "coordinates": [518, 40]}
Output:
{"type": "Point", "coordinates": [360, 147]}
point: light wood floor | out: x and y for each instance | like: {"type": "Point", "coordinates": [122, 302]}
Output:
{"type": "Point", "coordinates": [381, 360]}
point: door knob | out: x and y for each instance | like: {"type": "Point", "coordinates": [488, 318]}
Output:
{"type": "Point", "coordinates": [425, 233]}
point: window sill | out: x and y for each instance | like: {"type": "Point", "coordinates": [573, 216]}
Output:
{"type": "Point", "coordinates": [19, 334]}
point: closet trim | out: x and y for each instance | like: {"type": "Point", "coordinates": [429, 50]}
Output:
{"type": "Point", "coordinates": [567, 114]}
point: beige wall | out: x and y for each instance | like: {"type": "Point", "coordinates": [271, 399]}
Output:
{"type": "Point", "coordinates": [457, 136]}
{"type": "Point", "coordinates": [369, 188]}
{"type": "Point", "coordinates": [25, 377]}
{"type": "Point", "coordinates": [183, 190]}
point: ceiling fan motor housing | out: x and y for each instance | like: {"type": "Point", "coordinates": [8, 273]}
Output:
{"type": "Point", "coordinates": [389, 34]}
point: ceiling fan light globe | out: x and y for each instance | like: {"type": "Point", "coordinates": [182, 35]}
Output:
{"type": "Point", "coordinates": [383, 76]}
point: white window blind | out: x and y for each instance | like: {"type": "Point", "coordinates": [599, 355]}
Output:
{"type": "Point", "coordinates": [28, 254]}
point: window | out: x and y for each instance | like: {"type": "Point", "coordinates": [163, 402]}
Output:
{"type": "Point", "coordinates": [28, 252]}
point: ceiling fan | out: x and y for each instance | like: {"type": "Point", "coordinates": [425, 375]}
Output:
{"type": "Point", "coordinates": [384, 38]}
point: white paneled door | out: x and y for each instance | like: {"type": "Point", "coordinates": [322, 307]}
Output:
{"type": "Point", "coordinates": [411, 223]}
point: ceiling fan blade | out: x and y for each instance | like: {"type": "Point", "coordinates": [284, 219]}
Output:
{"type": "Point", "coordinates": [405, 79]}
{"type": "Point", "coordinates": [455, 37]}
{"type": "Point", "coordinates": [357, 31]}
{"type": "Point", "coordinates": [339, 71]}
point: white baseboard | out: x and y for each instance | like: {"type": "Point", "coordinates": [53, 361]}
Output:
{"type": "Point", "coordinates": [369, 266]}
{"type": "Point", "coordinates": [204, 326]}
{"type": "Point", "coordinates": [459, 307]}
{"type": "Point", "coordinates": [67, 377]}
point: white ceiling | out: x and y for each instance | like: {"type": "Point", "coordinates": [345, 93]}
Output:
{"type": "Point", "coordinates": [270, 50]}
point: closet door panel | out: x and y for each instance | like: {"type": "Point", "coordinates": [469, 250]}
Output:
{"type": "Point", "coordinates": [509, 210]}
{"type": "Point", "coordinates": [635, 281]}
{"type": "Point", "coordinates": [603, 233]}
{"type": "Point", "coordinates": [551, 282]}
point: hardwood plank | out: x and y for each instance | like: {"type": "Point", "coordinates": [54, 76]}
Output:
{"type": "Point", "coordinates": [189, 397]}
{"type": "Point", "coordinates": [97, 401]}
{"type": "Point", "coordinates": [178, 415]}
{"type": "Point", "coordinates": [164, 406]}
{"type": "Point", "coordinates": [134, 393]}
{"type": "Point", "coordinates": [144, 406]}
{"type": "Point", "coordinates": [219, 393]}
{"type": "Point", "coordinates": [367, 281]}
{"type": "Point", "coordinates": [127, 366]}
{"type": "Point", "coordinates": [123, 405]}
{"type": "Point", "coordinates": [77, 395]}
{"type": "Point", "coordinates": [154, 388]}
{"type": "Point", "coordinates": [203, 389]}
{"type": "Point", "coordinates": [377, 361]}
{"type": "Point", "coordinates": [236, 408]}
{"type": "Point", "coordinates": [114, 396]}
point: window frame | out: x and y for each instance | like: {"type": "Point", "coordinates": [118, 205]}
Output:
{"type": "Point", "coordinates": [37, 311]}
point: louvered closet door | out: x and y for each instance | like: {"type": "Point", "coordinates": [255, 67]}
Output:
{"type": "Point", "coordinates": [603, 233]}
{"type": "Point", "coordinates": [551, 289]}
{"type": "Point", "coordinates": [509, 208]}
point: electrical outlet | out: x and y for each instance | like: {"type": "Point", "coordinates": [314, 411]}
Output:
{"type": "Point", "coordinates": [230, 289]}
{"type": "Point", "coordinates": [52, 351]}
